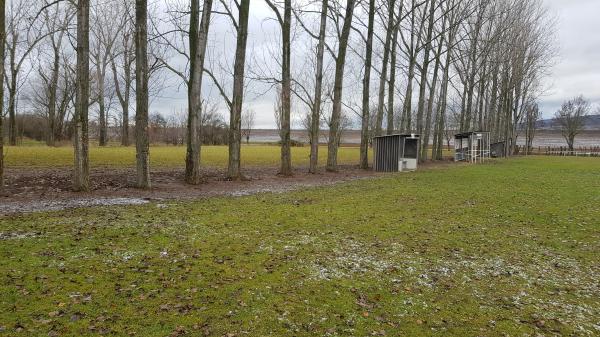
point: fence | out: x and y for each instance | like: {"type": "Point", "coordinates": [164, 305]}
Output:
{"type": "Point", "coordinates": [584, 151]}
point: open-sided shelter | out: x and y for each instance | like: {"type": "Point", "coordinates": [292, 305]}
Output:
{"type": "Point", "coordinates": [472, 146]}
{"type": "Point", "coordinates": [396, 153]}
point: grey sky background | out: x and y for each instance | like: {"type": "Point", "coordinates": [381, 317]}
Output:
{"type": "Point", "coordinates": [576, 70]}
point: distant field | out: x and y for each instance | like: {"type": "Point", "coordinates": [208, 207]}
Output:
{"type": "Point", "coordinates": [509, 248]}
{"type": "Point", "coordinates": [162, 156]}
{"type": "Point", "coordinates": [352, 137]}
{"type": "Point", "coordinates": [166, 156]}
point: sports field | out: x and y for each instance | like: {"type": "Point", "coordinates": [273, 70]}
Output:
{"type": "Point", "coordinates": [509, 248]}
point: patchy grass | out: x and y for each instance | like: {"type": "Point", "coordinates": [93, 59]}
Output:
{"type": "Point", "coordinates": [510, 248]}
{"type": "Point", "coordinates": [166, 156]}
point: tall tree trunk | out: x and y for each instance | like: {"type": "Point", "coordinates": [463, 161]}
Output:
{"type": "Point", "coordinates": [442, 102]}
{"type": "Point", "coordinates": [198, 41]}
{"type": "Point", "coordinates": [315, 117]}
{"type": "Point", "coordinates": [467, 110]}
{"type": "Point", "coordinates": [364, 133]}
{"type": "Point", "coordinates": [481, 98]}
{"type": "Point", "coordinates": [384, 66]}
{"type": "Point", "coordinates": [392, 82]}
{"type": "Point", "coordinates": [425, 71]}
{"type": "Point", "coordinates": [286, 91]}
{"type": "Point", "coordinates": [336, 113]}
{"type": "Point", "coordinates": [235, 118]}
{"type": "Point", "coordinates": [434, 81]}
{"type": "Point", "coordinates": [81, 174]}
{"type": "Point", "coordinates": [52, 99]}
{"type": "Point", "coordinates": [12, 107]}
{"type": "Point", "coordinates": [102, 132]}
{"type": "Point", "coordinates": [406, 121]}
{"type": "Point", "coordinates": [2, 54]}
{"type": "Point", "coordinates": [124, 96]}
{"type": "Point", "coordinates": [415, 38]}
{"type": "Point", "coordinates": [142, 143]}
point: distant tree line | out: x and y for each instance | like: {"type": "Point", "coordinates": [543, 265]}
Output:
{"type": "Point", "coordinates": [421, 66]}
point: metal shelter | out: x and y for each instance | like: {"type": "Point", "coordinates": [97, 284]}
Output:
{"type": "Point", "coordinates": [472, 146]}
{"type": "Point", "coordinates": [395, 153]}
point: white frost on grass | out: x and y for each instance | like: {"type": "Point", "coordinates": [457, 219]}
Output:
{"type": "Point", "coordinates": [350, 257]}
{"type": "Point", "coordinates": [57, 205]}
{"type": "Point", "coordinates": [558, 287]}
{"type": "Point", "coordinates": [18, 235]}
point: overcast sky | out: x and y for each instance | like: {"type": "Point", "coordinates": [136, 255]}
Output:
{"type": "Point", "coordinates": [576, 70]}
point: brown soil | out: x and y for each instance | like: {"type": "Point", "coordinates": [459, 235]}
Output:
{"type": "Point", "coordinates": [34, 190]}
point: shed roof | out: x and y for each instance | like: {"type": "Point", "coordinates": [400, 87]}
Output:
{"type": "Point", "coordinates": [401, 135]}
{"type": "Point", "coordinates": [467, 134]}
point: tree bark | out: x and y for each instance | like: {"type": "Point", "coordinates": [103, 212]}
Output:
{"type": "Point", "coordinates": [102, 132]}
{"type": "Point", "coordinates": [81, 174]}
{"type": "Point", "coordinates": [316, 109]}
{"type": "Point", "coordinates": [364, 133]}
{"type": "Point", "coordinates": [124, 96]}
{"type": "Point", "coordinates": [471, 73]}
{"type": "Point", "coordinates": [198, 41]}
{"type": "Point", "coordinates": [52, 94]}
{"type": "Point", "coordinates": [384, 66]}
{"type": "Point", "coordinates": [2, 54]}
{"type": "Point", "coordinates": [442, 102]}
{"type": "Point", "coordinates": [336, 113]}
{"type": "Point", "coordinates": [141, 113]}
{"type": "Point", "coordinates": [433, 89]}
{"type": "Point", "coordinates": [424, 71]}
{"type": "Point", "coordinates": [12, 114]}
{"type": "Point", "coordinates": [235, 118]}
{"type": "Point", "coordinates": [286, 91]}
{"type": "Point", "coordinates": [392, 82]}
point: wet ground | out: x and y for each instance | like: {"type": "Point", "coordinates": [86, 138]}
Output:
{"type": "Point", "coordinates": [33, 190]}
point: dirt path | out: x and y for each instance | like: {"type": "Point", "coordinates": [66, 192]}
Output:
{"type": "Point", "coordinates": [36, 190]}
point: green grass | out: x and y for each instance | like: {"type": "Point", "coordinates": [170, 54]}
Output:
{"type": "Point", "coordinates": [165, 156]}
{"type": "Point", "coordinates": [509, 248]}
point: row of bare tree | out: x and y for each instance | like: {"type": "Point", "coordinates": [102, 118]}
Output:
{"type": "Point", "coordinates": [419, 66]}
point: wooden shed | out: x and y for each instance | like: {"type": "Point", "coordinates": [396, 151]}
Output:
{"type": "Point", "coordinates": [396, 153]}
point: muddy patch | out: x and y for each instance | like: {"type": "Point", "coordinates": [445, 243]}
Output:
{"type": "Point", "coordinates": [35, 190]}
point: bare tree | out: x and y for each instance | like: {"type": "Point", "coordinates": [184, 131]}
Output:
{"type": "Point", "coordinates": [2, 43]}
{"type": "Point", "coordinates": [314, 101]}
{"type": "Point", "coordinates": [81, 174]}
{"type": "Point", "coordinates": [235, 118]}
{"type": "Point", "coordinates": [364, 134]}
{"type": "Point", "coordinates": [55, 92]}
{"type": "Point", "coordinates": [284, 19]}
{"type": "Point", "coordinates": [532, 118]}
{"type": "Point", "coordinates": [197, 40]}
{"type": "Point", "coordinates": [334, 125]}
{"type": "Point", "coordinates": [248, 121]}
{"type": "Point", "coordinates": [22, 37]}
{"type": "Point", "coordinates": [108, 23]}
{"type": "Point", "coordinates": [571, 118]}
{"type": "Point", "coordinates": [141, 112]}
{"type": "Point", "coordinates": [122, 66]}
{"type": "Point", "coordinates": [389, 32]}
{"type": "Point", "coordinates": [316, 109]}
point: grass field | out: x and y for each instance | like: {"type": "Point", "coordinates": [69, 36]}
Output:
{"type": "Point", "coordinates": [166, 156]}
{"type": "Point", "coordinates": [510, 248]}
{"type": "Point", "coordinates": [162, 156]}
